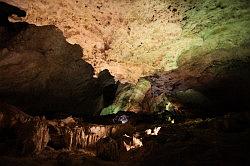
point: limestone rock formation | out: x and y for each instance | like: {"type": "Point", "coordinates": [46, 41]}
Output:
{"type": "Point", "coordinates": [10, 116]}
{"type": "Point", "coordinates": [23, 134]}
{"type": "Point", "coordinates": [220, 79]}
{"type": "Point", "coordinates": [41, 72]}
{"type": "Point", "coordinates": [129, 98]}
{"type": "Point", "coordinates": [107, 149]}
{"type": "Point", "coordinates": [133, 39]}
{"type": "Point", "coordinates": [215, 82]}
{"type": "Point", "coordinates": [195, 114]}
{"type": "Point", "coordinates": [32, 137]}
{"type": "Point", "coordinates": [223, 139]}
{"type": "Point", "coordinates": [76, 136]}
{"type": "Point", "coordinates": [7, 10]}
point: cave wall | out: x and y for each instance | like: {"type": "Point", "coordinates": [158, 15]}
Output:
{"type": "Point", "coordinates": [221, 24]}
{"type": "Point", "coordinates": [137, 38]}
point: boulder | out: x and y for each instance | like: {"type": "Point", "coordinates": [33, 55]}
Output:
{"type": "Point", "coordinates": [44, 74]}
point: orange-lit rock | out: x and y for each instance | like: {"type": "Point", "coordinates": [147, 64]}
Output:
{"type": "Point", "coordinates": [112, 33]}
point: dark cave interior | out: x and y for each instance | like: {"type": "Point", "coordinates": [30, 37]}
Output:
{"type": "Point", "coordinates": [55, 109]}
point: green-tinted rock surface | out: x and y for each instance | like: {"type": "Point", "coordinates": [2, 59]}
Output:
{"type": "Point", "coordinates": [130, 98]}
{"type": "Point", "coordinates": [221, 24]}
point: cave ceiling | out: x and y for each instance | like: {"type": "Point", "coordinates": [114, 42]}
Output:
{"type": "Point", "coordinates": [136, 38]}
{"type": "Point", "coordinates": [130, 38]}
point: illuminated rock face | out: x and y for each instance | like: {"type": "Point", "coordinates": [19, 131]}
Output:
{"type": "Point", "coordinates": [130, 38]}
{"type": "Point", "coordinates": [136, 38]}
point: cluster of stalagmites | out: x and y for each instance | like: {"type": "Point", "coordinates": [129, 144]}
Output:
{"type": "Point", "coordinates": [23, 133]}
{"type": "Point", "coordinates": [31, 135]}
{"type": "Point", "coordinates": [107, 149]}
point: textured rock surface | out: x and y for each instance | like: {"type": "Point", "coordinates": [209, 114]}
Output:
{"type": "Point", "coordinates": [213, 83]}
{"type": "Point", "coordinates": [112, 33]}
{"type": "Point", "coordinates": [221, 76]}
{"type": "Point", "coordinates": [107, 149]}
{"type": "Point", "coordinates": [137, 38]}
{"type": "Point", "coordinates": [10, 116]}
{"type": "Point", "coordinates": [212, 141]}
{"type": "Point", "coordinates": [130, 98]}
{"type": "Point", "coordinates": [41, 71]}
{"type": "Point", "coordinates": [21, 133]}
{"type": "Point", "coordinates": [222, 24]}
{"type": "Point", "coordinates": [33, 136]}
{"type": "Point", "coordinates": [77, 136]}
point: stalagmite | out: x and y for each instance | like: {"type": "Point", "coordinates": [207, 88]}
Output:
{"type": "Point", "coordinates": [107, 149]}
{"type": "Point", "coordinates": [33, 136]}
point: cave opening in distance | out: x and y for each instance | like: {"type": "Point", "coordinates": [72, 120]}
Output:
{"type": "Point", "coordinates": [129, 82]}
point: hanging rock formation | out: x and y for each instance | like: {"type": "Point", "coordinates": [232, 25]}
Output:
{"type": "Point", "coordinates": [41, 72]}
